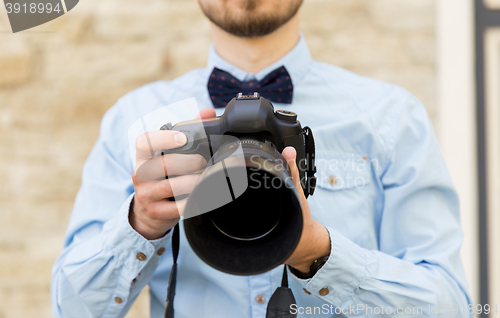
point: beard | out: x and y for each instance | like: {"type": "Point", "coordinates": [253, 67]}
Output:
{"type": "Point", "coordinates": [250, 18]}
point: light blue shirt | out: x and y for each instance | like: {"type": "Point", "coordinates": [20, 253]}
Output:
{"type": "Point", "coordinates": [384, 194]}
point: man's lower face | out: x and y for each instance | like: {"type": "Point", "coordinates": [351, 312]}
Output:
{"type": "Point", "coordinates": [250, 18]}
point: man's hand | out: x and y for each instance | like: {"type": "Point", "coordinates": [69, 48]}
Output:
{"type": "Point", "coordinates": [153, 213]}
{"type": "Point", "coordinates": [315, 240]}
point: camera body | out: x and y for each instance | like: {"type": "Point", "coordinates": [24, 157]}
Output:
{"type": "Point", "coordinates": [233, 220]}
{"type": "Point", "coordinates": [246, 116]}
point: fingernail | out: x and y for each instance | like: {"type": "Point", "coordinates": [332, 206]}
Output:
{"type": "Point", "coordinates": [180, 138]}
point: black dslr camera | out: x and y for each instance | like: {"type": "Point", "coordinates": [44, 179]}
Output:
{"type": "Point", "coordinates": [244, 216]}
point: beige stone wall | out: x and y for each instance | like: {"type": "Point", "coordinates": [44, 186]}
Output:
{"type": "Point", "coordinates": [57, 80]}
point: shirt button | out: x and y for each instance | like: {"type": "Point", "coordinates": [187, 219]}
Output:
{"type": "Point", "coordinates": [161, 251]}
{"type": "Point", "coordinates": [141, 256]}
{"type": "Point", "coordinates": [118, 300]}
{"type": "Point", "coordinates": [333, 180]}
{"type": "Point", "coordinates": [324, 291]}
{"type": "Point", "coordinates": [260, 299]}
{"type": "Point", "coordinates": [306, 291]}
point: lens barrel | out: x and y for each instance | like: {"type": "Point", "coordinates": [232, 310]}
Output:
{"type": "Point", "coordinates": [261, 223]}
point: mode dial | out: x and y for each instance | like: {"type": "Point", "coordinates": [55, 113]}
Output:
{"type": "Point", "coordinates": [286, 115]}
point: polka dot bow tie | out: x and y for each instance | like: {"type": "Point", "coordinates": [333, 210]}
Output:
{"type": "Point", "coordinates": [276, 86]}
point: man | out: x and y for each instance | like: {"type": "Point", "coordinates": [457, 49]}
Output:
{"type": "Point", "coordinates": [383, 221]}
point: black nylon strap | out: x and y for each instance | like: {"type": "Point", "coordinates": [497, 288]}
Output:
{"type": "Point", "coordinates": [284, 280]}
{"type": "Point", "coordinates": [169, 306]}
{"type": "Point", "coordinates": [279, 304]}
{"type": "Point", "coordinates": [281, 301]}
{"type": "Point", "coordinates": [175, 243]}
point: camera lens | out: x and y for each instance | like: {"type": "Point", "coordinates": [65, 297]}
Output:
{"type": "Point", "coordinates": [244, 216]}
{"type": "Point", "coordinates": [255, 213]}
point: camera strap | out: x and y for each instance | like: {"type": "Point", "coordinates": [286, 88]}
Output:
{"type": "Point", "coordinates": [310, 183]}
{"type": "Point", "coordinates": [282, 300]}
{"type": "Point", "coordinates": [279, 304]}
{"type": "Point", "coordinates": [172, 282]}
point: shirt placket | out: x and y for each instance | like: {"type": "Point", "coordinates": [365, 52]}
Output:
{"type": "Point", "coordinates": [260, 292]}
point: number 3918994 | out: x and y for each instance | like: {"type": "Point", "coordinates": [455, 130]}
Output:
{"type": "Point", "coordinates": [32, 8]}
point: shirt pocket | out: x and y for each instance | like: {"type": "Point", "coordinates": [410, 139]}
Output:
{"type": "Point", "coordinates": [338, 171]}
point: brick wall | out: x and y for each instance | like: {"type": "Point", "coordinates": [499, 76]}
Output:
{"type": "Point", "coordinates": [57, 80]}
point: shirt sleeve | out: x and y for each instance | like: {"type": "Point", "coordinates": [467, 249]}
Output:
{"type": "Point", "coordinates": [417, 266]}
{"type": "Point", "coordinates": [105, 263]}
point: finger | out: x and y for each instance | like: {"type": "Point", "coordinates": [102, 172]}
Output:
{"type": "Point", "coordinates": [173, 187]}
{"type": "Point", "coordinates": [207, 112]}
{"type": "Point", "coordinates": [149, 142]}
{"type": "Point", "coordinates": [290, 156]}
{"type": "Point", "coordinates": [165, 212]}
{"type": "Point", "coordinates": [169, 165]}
{"type": "Point", "coordinates": [181, 206]}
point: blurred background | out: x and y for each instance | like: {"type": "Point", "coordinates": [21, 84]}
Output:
{"type": "Point", "coordinates": [58, 79]}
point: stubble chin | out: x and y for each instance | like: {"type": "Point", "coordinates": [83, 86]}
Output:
{"type": "Point", "coordinates": [249, 18]}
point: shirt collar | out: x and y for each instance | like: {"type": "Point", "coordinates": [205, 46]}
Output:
{"type": "Point", "coordinates": [297, 63]}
